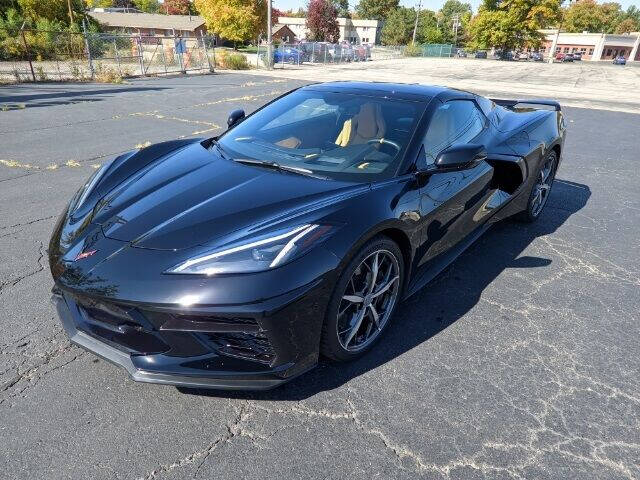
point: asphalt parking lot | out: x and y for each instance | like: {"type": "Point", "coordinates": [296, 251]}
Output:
{"type": "Point", "coordinates": [521, 360]}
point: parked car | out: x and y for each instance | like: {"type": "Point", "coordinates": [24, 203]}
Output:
{"type": "Point", "coordinates": [348, 54]}
{"type": "Point", "coordinates": [323, 52]}
{"type": "Point", "coordinates": [288, 55]}
{"type": "Point", "coordinates": [577, 56]}
{"type": "Point", "coordinates": [307, 49]}
{"type": "Point", "coordinates": [236, 261]}
{"type": "Point", "coordinates": [620, 60]}
{"type": "Point", "coordinates": [360, 53]}
{"type": "Point", "coordinates": [536, 57]}
{"type": "Point", "coordinates": [564, 57]}
{"type": "Point", "coordinates": [506, 56]}
{"type": "Point", "coordinates": [461, 53]}
{"type": "Point", "coordinates": [480, 54]}
{"type": "Point", "coordinates": [334, 51]}
{"type": "Point", "coordinates": [522, 56]}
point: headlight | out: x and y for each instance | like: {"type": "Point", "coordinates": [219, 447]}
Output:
{"type": "Point", "coordinates": [258, 255]}
{"type": "Point", "coordinates": [87, 188]}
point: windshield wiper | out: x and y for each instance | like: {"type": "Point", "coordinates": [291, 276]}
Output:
{"type": "Point", "coordinates": [279, 167]}
{"type": "Point", "coordinates": [216, 144]}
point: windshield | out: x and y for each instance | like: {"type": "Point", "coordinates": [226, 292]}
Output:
{"type": "Point", "coordinates": [340, 136]}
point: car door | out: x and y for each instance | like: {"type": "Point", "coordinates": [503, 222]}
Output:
{"type": "Point", "coordinates": [449, 200]}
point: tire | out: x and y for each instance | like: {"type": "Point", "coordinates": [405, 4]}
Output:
{"type": "Point", "coordinates": [379, 304]}
{"type": "Point", "coordinates": [542, 186]}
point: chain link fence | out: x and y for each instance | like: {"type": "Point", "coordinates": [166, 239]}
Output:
{"type": "Point", "coordinates": [438, 50]}
{"type": "Point", "coordinates": [36, 55]}
{"type": "Point", "coordinates": [289, 54]}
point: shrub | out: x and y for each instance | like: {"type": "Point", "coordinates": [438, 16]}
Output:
{"type": "Point", "coordinates": [231, 61]}
{"type": "Point", "coordinates": [237, 61]}
{"type": "Point", "coordinates": [41, 74]}
{"type": "Point", "coordinates": [413, 50]}
{"type": "Point", "coordinates": [106, 74]}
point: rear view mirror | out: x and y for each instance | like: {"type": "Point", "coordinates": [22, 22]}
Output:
{"type": "Point", "coordinates": [459, 157]}
{"type": "Point", "coordinates": [235, 117]}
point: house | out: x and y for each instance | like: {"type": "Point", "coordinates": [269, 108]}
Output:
{"type": "Point", "coordinates": [149, 24]}
{"type": "Point", "coordinates": [282, 33]}
{"type": "Point", "coordinates": [351, 30]}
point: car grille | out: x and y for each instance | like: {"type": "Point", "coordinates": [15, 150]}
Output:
{"type": "Point", "coordinates": [250, 346]}
{"type": "Point", "coordinates": [144, 332]}
{"type": "Point", "coordinates": [122, 327]}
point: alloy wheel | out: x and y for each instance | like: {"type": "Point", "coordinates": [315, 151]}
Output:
{"type": "Point", "coordinates": [542, 187]}
{"type": "Point", "coordinates": [368, 300]}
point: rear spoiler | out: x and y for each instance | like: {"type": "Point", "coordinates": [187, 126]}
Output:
{"type": "Point", "coordinates": [513, 103]}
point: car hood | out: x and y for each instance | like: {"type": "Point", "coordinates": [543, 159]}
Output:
{"type": "Point", "coordinates": [193, 197]}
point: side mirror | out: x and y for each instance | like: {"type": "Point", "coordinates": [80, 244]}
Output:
{"type": "Point", "coordinates": [459, 157]}
{"type": "Point", "coordinates": [235, 117]}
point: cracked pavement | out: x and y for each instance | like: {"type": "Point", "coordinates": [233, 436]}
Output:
{"type": "Point", "coordinates": [521, 360]}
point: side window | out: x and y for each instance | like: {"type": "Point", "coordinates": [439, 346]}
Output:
{"type": "Point", "coordinates": [454, 122]}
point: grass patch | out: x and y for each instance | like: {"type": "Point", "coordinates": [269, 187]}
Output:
{"type": "Point", "coordinates": [249, 49]}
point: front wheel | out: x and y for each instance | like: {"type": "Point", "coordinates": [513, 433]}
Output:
{"type": "Point", "coordinates": [541, 189]}
{"type": "Point", "coordinates": [364, 300]}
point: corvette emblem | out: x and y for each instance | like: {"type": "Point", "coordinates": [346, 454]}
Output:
{"type": "Point", "coordinates": [86, 254]}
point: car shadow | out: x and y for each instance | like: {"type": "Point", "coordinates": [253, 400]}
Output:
{"type": "Point", "coordinates": [430, 311]}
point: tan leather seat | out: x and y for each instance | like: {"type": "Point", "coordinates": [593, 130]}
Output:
{"type": "Point", "coordinates": [366, 125]}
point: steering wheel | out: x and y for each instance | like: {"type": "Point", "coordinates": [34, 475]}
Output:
{"type": "Point", "coordinates": [385, 141]}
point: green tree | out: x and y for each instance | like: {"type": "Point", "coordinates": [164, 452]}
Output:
{"type": "Point", "coordinates": [11, 23]}
{"type": "Point", "coordinates": [633, 13]}
{"type": "Point", "coordinates": [588, 15]}
{"type": "Point", "coordinates": [376, 9]}
{"type": "Point", "coordinates": [148, 6]}
{"type": "Point", "coordinates": [98, 3]}
{"type": "Point", "coordinates": [343, 8]}
{"type": "Point", "coordinates": [512, 24]}
{"type": "Point", "coordinates": [451, 10]}
{"type": "Point", "coordinates": [54, 10]}
{"type": "Point", "coordinates": [427, 31]}
{"type": "Point", "coordinates": [626, 26]}
{"type": "Point", "coordinates": [6, 5]}
{"type": "Point", "coordinates": [398, 27]}
{"type": "Point", "coordinates": [629, 21]}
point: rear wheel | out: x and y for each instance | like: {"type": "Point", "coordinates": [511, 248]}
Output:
{"type": "Point", "coordinates": [364, 300]}
{"type": "Point", "coordinates": [541, 189]}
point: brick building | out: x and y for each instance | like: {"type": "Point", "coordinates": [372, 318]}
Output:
{"type": "Point", "coordinates": [594, 46]}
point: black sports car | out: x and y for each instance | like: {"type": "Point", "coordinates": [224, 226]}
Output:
{"type": "Point", "coordinates": [236, 261]}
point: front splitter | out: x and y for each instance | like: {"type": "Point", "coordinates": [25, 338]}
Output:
{"type": "Point", "coordinates": [232, 381]}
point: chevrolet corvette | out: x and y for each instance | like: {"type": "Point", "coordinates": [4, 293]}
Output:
{"type": "Point", "coordinates": [238, 261]}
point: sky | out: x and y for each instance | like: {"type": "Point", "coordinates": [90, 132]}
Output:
{"type": "Point", "coordinates": [430, 4]}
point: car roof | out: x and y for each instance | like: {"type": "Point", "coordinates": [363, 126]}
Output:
{"type": "Point", "coordinates": [402, 91]}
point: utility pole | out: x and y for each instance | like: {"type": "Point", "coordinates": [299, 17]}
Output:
{"type": "Point", "coordinates": [554, 43]}
{"type": "Point", "coordinates": [269, 39]}
{"type": "Point", "coordinates": [415, 26]}
{"type": "Point", "coordinates": [456, 24]}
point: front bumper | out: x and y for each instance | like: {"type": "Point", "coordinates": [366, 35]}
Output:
{"type": "Point", "coordinates": [292, 323]}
